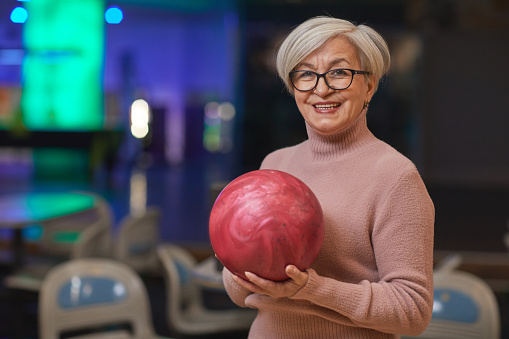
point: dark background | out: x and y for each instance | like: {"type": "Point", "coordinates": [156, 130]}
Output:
{"type": "Point", "coordinates": [444, 104]}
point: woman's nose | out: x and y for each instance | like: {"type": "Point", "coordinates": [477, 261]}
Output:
{"type": "Point", "coordinates": [322, 88]}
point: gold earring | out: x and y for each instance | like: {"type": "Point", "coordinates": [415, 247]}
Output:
{"type": "Point", "coordinates": [366, 104]}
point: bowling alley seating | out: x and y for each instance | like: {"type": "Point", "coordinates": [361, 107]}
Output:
{"type": "Point", "coordinates": [83, 235]}
{"type": "Point", "coordinates": [80, 236]}
{"type": "Point", "coordinates": [94, 298]}
{"type": "Point", "coordinates": [464, 305]}
{"type": "Point", "coordinates": [186, 310]}
{"type": "Point", "coordinates": [137, 239]}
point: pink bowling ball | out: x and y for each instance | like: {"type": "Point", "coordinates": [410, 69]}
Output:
{"type": "Point", "coordinates": [265, 220]}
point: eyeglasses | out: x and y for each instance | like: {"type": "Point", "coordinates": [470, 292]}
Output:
{"type": "Point", "coordinates": [337, 79]}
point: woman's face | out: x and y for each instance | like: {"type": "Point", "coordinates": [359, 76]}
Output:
{"type": "Point", "coordinates": [328, 111]}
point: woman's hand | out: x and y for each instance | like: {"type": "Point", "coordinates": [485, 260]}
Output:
{"type": "Point", "coordinates": [276, 289]}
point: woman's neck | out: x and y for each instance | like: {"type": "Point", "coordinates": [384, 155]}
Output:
{"type": "Point", "coordinates": [348, 140]}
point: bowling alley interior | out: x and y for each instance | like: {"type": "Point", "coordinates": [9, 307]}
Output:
{"type": "Point", "coordinates": [122, 120]}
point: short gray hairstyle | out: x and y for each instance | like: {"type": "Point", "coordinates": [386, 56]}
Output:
{"type": "Point", "coordinates": [313, 33]}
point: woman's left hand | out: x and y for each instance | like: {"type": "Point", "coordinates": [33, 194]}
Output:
{"type": "Point", "coordinates": [276, 289]}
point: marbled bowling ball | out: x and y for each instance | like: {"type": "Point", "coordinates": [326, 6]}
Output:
{"type": "Point", "coordinates": [263, 221]}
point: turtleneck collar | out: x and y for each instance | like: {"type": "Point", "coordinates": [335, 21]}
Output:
{"type": "Point", "coordinates": [353, 137]}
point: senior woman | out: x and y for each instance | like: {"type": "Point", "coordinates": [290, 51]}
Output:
{"type": "Point", "coordinates": [373, 277]}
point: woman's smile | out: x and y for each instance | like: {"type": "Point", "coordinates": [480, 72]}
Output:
{"type": "Point", "coordinates": [326, 107]}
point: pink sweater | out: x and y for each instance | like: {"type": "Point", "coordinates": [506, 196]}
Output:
{"type": "Point", "coordinates": [374, 275]}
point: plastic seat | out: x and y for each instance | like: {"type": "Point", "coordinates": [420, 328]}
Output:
{"type": "Point", "coordinates": [137, 240]}
{"type": "Point", "coordinates": [186, 312]}
{"type": "Point", "coordinates": [464, 306]}
{"type": "Point", "coordinates": [94, 298]}
{"type": "Point", "coordinates": [81, 235]}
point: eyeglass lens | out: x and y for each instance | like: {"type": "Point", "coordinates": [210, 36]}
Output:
{"type": "Point", "coordinates": [335, 79]}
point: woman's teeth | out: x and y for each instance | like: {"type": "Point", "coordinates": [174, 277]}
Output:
{"type": "Point", "coordinates": [328, 106]}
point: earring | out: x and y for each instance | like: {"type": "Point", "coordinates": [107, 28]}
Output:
{"type": "Point", "coordinates": [366, 104]}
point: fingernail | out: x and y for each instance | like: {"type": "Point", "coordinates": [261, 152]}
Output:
{"type": "Point", "coordinates": [249, 275]}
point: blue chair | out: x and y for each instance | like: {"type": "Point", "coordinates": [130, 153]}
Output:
{"type": "Point", "coordinates": [68, 237]}
{"type": "Point", "coordinates": [80, 235]}
{"type": "Point", "coordinates": [187, 313]}
{"type": "Point", "coordinates": [94, 298]}
{"type": "Point", "coordinates": [137, 240]}
{"type": "Point", "coordinates": [464, 306]}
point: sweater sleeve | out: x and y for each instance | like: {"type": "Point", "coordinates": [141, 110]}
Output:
{"type": "Point", "coordinates": [402, 240]}
{"type": "Point", "coordinates": [236, 292]}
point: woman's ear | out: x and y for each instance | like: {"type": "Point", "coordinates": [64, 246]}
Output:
{"type": "Point", "coordinates": [372, 87]}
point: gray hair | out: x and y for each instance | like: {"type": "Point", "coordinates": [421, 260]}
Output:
{"type": "Point", "coordinates": [307, 37]}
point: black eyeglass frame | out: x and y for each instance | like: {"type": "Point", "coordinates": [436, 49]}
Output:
{"type": "Point", "coordinates": [322, 75]}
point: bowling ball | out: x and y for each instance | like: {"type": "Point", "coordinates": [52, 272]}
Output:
{"type": "Point", "coordinates": [263, 221]}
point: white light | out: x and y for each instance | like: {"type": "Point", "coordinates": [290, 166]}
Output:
{"type": "Point", "coordinates": [75, 290]}
{"type": "Point", "coordinates": [119, 290]}
{"type": "Point", "coordinates": [140, 117]}
{"type": "Point", "coordinates": [226, 111]}
{"type": "Point", "coordinates": [140, 113]}
{"type": "Point", "coordinates": [140, 104]}
{"type": "Point", "coordinates": [139, 131]}
{"type": "Point", "coordinates": [437, 306]}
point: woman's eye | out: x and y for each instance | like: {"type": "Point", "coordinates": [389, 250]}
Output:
{"type": "Point", "coordinates": [338, 73]}
{"type": "Point", "coordinates": [306, 75]}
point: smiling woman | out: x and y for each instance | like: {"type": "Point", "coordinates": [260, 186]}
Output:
{"type": "Point", "coordinates": [328, 109]}
{"type": "Point", "coordinates": [339, 51]}
{"type": "Point", "coordinates": [373, 277]}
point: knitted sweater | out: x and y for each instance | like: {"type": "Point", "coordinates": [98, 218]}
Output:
{"type": "Point", "coordinates": [373, 277]}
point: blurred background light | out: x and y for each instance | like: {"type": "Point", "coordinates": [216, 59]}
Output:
{"type": "Point", "coordinates": [226, 111]}
{"type": "Point", "coordinates": [63, 65]}
{"type": "Point", "coordinates": [139, 131]}
{"type": "Point", "coordinates": [138, 192]}
{"type": "Point", "coordinates": [218, 127]}
{"type": "Point", "coordinates": [140, 118]}
{"type": "Point", "coordinates": [11, 56]}
{"type": "Point", "coordinates": [19, 15]}
{"type": "Point", "coordinates": [113, 15]}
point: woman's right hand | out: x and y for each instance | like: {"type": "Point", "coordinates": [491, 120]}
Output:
{"type": "Point", "coordinates": [276, 289]}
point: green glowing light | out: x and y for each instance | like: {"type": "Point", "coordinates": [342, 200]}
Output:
{"type": "Point", "coordinates": [61, 164]}
{"type": "Point", "coordinates": [66, 237]}
{"type": "Point", "coordinates": [62, 69]}
{"type": "Point", "coordinates": [52, 205]}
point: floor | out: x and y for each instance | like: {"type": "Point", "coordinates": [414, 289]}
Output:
{"type": "Point", "coordinates": [467, 219]}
